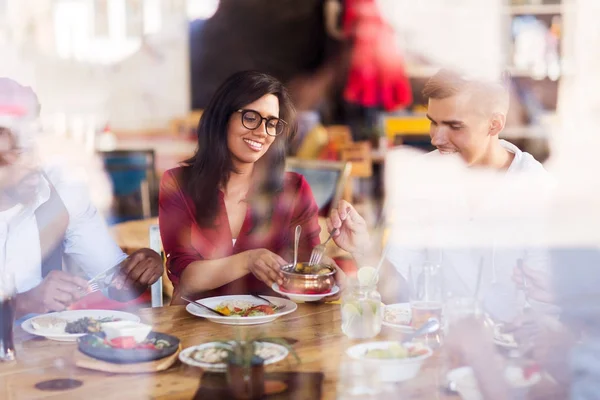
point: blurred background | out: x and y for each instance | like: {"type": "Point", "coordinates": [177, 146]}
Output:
{"type": "Point", "coordinates": [125, 81]}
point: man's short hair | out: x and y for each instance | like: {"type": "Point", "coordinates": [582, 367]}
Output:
{"type": "Point", "coordinates": [489, 96]}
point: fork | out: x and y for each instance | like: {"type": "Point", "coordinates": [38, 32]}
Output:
{"type": "Point", "coordinates": [91, 288]}
{"type": "Point", "coordinates": [319, 250]}
{"type": "Point", "coordinates": [276, 307]}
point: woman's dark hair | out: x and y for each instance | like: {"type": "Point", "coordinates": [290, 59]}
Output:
{"type": "Point", "coordinates": [212, 165]}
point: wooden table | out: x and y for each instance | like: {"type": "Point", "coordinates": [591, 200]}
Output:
{"type": "Point", "coordinates": [321, 346]}
{"type": "Point", "coordinates": [133, 235]}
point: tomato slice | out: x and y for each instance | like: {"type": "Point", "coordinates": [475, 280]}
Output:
{"type": "Point", "coordinates": [123, 342]}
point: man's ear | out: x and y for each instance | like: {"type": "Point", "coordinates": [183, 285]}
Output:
{"type": "Point", "coordinates": [497, 124]}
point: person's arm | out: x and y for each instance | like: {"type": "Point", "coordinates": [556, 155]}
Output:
{"type": "Point", "coordinates": [90, 247]}
{"type": "Point", "coordinates": [534, 277]}
{"type": "Point", "coordinates": [88, 243]}
{"type": "Point", "coordinates": [56, 292]}
{"type": "Point", "coordinates": [352, 233]}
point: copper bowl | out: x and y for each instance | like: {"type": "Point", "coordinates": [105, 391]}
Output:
{"type": "Point", "coordinates": [307, 282]}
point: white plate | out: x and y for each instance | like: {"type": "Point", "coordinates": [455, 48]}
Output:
{"type": "Point", "coordinates": [404, 310]}
{"type": "Point", "coordinates": [186, 355]}
{"type": "Point", "coordinates": [73, 316]}
{"type": "Point", "coordinates": [213, 302]}
{"type": "Point", "coordinates": [305, 298]}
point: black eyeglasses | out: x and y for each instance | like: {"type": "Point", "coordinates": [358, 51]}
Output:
{"type": "Point", "coordinates": [252, 119]}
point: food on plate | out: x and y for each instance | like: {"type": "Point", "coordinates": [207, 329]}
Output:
{"type": "Point", "coordinates": [219, 353]}
{"type": "Point", "coordinates": [129, 342]}
{"type": "Point", "coordinates": [49, 324]}
{"type": "Point", "coordinates": [241, 308]}
{"type": "Point", "coordinates": [87, 325]}
{"type": "Point", "coordinates": [396, 351]}
{"type": "Point", "coordinates": [399, 316]}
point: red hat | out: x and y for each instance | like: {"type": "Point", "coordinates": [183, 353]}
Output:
{"type": "Point", "coordinates": [17, 100]}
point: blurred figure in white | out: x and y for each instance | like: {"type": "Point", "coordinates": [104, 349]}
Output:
{"type": "Point", "coordinates": [48, 225]}
{"type": "Point", "coordinates": [455, 207]}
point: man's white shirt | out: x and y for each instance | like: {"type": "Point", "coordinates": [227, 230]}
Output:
{"type": "Point", "coordinates": [447, 214]}
{"type": "Point", "coordinates": [88, 245]}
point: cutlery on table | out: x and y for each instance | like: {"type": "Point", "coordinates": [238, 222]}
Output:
{"type": "Point", "coordinates": [297, 234]}
{"type": "Point", "coordinates": [97, 283]}
{"type": "Point", "coordinates": [202, 305]}
{"type": "Point", "coordinates": [430, 326]}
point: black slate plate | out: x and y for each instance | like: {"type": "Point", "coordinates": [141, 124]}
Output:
{"type": "Point", "coordinates": [127, 356]}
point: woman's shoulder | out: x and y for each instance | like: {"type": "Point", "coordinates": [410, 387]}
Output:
{"type": "Point", "coordinates": [294, 181]}
{"type": "Point", "coordinates": [175, 175]}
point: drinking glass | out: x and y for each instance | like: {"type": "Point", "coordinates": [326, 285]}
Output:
{"type": "Point", "coordinates": [426, 288]}
{"type": "Point", "coordinates": [426, 298]}
{"type": "Point", "coordinates": [7, 316]}
{"type": "Point", "coordinates": [362, 313]}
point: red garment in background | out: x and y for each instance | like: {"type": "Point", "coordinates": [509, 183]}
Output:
{"type": "Point", "coordinates": [184, 241]}
{"type": "Point", "coordinates": [377, 77]}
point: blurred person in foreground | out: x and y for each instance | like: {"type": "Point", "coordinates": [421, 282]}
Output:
{"type": "Point", "coordinates": [568, 350]}
{"type": "Point", "coordinates": [49, 228]}
{"type": "Point", "coordinates": [460, 197]}
{"type": "Point", "coordinates": [227, 215]}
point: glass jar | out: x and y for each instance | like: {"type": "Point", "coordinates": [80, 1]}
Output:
{"type": "Point", "coordinates": [362, 311]}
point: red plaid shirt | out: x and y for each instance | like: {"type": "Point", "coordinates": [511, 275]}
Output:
{"type": "Point", "coordinates": [184, 241]}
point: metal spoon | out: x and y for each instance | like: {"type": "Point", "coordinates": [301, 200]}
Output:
{"type": "Point", "coordinates": [432, 325]}
{"type": "Point", "coordinates": [296, 243]}
{"type": "Point", "coordinates": [202, 305]}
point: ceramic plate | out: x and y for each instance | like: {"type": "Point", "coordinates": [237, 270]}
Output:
{"type": "Point", "coordinates": [213, 302]}
{"type": "Point", "coordinates": [271, 352]}
{"type": "Point", "coordinates": [398, 316]}
{"type": "Point", "coordinates": [305, 298]}
{"type": "Point", "coordinates": [88, 345]}
{"type": "Point", "coordinates": [71, 316]}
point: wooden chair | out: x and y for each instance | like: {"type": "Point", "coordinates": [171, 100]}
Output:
{"type": "Point", "coordinates": [133, 175]}
{"type": "Point", "coordinates": [327, 179]}
{"type": "Point", "coordinates": [359, 155]}
{"type": "Point", "coordinates": [339, 135]}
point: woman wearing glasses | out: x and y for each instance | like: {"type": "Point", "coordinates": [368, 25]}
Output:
{"type": "Point", "coordinates": [227, 215]}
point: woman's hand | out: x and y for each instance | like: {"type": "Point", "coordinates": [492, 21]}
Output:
{"type": "Point", "coordinates": [352, 234]}
{"type": "Point", "coordinates": [266, 266]}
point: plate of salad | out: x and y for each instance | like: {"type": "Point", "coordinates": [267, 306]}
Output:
{"type": "Point", "coordinates": [126, 350]}
{"type": "Point", "coordinates": [242, 309]}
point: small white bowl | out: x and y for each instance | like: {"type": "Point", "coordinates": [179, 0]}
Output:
{"type": "Point", "coordinates": [116, 329]}
{"type": "Point", "coordinates": [390, 370]}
